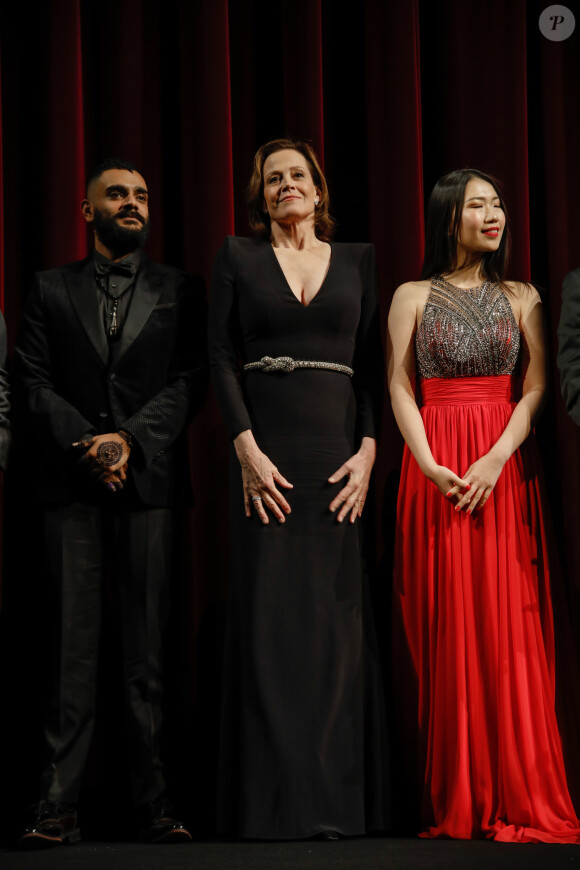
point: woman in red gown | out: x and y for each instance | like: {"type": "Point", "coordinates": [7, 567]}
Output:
{"type": "Point", "coordinates": [472, 588]}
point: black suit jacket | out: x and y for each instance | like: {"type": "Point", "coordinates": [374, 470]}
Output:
{"type": "Point", "coordinates": [150, 384]}
{"type": "Point", "coordinates": [569, 344]}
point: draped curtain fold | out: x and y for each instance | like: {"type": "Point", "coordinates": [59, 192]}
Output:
{"type": "Point", "coordinates": [63, 156]}
{"type": "Point", "coordinates": [1, 202]}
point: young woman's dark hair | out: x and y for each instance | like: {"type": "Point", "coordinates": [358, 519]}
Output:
{"type": "Point", "coordinates": [259, 217]}
{"type": "Point", "coordinates": [442, 230]}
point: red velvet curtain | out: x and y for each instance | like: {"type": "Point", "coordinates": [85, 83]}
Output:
{"type": "Point", "coordinates": [392, 95]}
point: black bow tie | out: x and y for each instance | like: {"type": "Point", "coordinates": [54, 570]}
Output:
{"type": "Point", "coordinates": [123, 267]}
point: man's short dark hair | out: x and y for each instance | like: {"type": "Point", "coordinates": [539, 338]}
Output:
{"type": "Point", "coordinates": [111, 163]}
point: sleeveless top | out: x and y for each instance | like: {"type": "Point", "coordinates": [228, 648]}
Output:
{"type": "Point", "coordinates": [466, 332]}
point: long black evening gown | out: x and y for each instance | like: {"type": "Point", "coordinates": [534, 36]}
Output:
{"type": "Point", "coordinates": [303, 742]}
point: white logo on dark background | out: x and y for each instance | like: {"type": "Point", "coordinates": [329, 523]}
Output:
{"type": "Point", "coordinates": [557, 23]}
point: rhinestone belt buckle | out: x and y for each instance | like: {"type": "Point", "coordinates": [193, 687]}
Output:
{"type": "Point", "coordinates": [278, 364]}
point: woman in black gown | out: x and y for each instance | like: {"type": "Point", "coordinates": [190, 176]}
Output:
{"type": "Point", "coordinates": [303, 742]}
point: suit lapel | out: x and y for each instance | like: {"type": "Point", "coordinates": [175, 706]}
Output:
{"type": "Point", "coordinates": [83, 295]}
{"type": "Point", "coordinates": [145, 295]}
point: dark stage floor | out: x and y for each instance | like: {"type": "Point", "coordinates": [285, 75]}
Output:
{"type": "Point", "coordinates": [362, 854]}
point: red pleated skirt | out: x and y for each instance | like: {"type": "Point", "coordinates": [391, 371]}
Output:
{"type": "Point", "coordinates": [472, 593]}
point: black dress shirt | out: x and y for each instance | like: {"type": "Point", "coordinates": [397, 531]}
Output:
{"type": "Point", "coordinates": [115, 282]}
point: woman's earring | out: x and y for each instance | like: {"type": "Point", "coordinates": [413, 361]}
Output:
{"type": "Point", "coordinates": [316, 201]}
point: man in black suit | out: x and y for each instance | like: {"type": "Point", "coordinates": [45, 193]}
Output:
{"type": "Point", "coordinates": [111, 367]}
{"type": "Point", "coordinates": [569, 344]}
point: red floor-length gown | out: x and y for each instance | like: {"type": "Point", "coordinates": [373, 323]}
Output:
{"type": "Point", "coordinates": [472, 594]}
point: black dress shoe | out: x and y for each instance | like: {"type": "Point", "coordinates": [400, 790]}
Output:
{"type": "Point", "coordinates": [328, 835]}
{"type": "Point", "coordinates": [51, 824]}
{"type": "Point", "coordinates": [159, 826]}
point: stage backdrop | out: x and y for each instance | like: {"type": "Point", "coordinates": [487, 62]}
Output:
{"type": "Point", "coordinates": [391, 94]}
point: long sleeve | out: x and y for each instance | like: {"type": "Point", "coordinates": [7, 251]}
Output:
{"type": "Point", "coordinates": [222, 340]}
{"type": "Point", "coordinates": [157, 424]}
{"type": "Point", "coordinates": [569, 344]}
{"type": "Point", "coordinates": [53, 416]}
{"type": "Point", "coordinates": [368, 364]}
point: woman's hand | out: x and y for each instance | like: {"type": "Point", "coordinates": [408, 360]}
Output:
{"type": "Point", "coordinates": [447, 482]}
{"type": "Point", "coordinates": [352, 496]}
{"type": "Point", "coordinates": [482, 476]}
{"type": "Point", "coordinates": [259, 478]}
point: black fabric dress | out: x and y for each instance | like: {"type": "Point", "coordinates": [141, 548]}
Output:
{"type": "Point", "coordinates": [303, 742]}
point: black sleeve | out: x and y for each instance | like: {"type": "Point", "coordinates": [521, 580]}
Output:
{"type": "Point", "coordinates": [156, 425]}
{"type": "Point", "coordinates": [368, 364]}
{"type": "Point", "coordinates": [569, 344]}
{"type": "Point", "coordinates": [53, 416]}
{"type": "Point", "coordinates": [4, 398]}
{"type": "Point", "coordinates": [223, 343]}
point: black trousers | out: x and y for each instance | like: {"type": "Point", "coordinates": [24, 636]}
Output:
{"type": "Point", "coordinates": [84, 542]}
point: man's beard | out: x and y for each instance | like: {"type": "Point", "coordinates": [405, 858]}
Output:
{"type": "Point", "coordinates": [122, 240]}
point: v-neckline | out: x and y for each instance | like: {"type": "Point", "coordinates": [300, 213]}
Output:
{"type": "Point", "coordinates": [287, 283]}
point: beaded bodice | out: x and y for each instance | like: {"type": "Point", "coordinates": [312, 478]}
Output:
{"type": "Point", "coordinates": [466, 332]}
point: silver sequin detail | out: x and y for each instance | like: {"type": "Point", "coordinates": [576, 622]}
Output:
{"type": "Point", "coordinates": [287, 364]}
{"type": "Point", "coordinates": [466, 332]}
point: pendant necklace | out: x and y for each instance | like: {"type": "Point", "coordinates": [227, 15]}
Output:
{"type": "Point", "coordinates": [113, 326]}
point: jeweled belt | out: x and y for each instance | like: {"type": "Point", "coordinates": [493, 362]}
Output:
{"type": "Point", "coordinates": [287, 364]}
